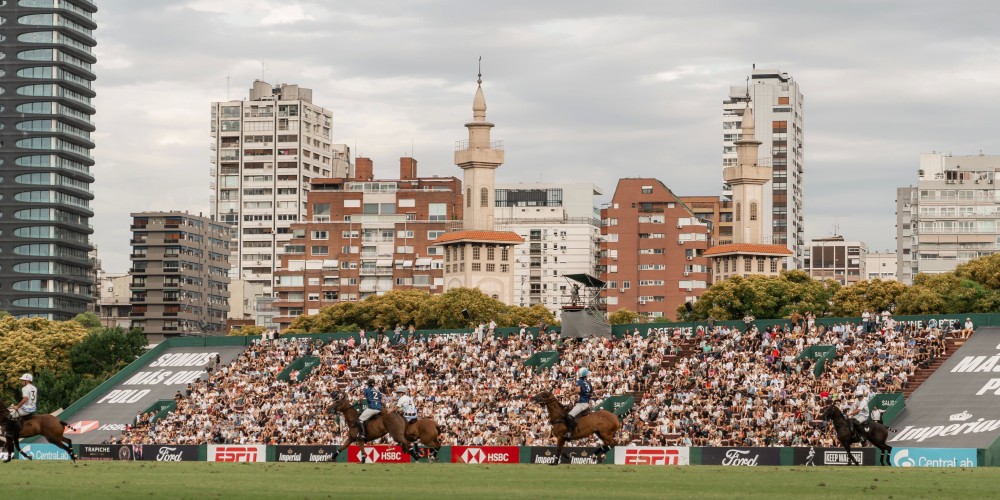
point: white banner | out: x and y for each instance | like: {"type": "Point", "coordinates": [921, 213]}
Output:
{"type": "Point", "coordinates": [237, 453]}
{"type": "Point", "coordinates": [652, 455]}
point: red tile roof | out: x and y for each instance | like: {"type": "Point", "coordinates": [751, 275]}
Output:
{"type": "Point", "coordinates": [751, 248]}
{"type": "Point", "coordinates": [483, 236]}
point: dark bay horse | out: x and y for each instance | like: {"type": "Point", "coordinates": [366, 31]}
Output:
{"type": "Point", "coordinates": [427, 432]}
{"type": "Point", "coordinates": [601, 423]}
{"type": "Point", "coordinates": [390, 423]}
{"type": "Point", "coordinates": [876, 435]}
{"type": "Point", "coordinates": [47, 426]}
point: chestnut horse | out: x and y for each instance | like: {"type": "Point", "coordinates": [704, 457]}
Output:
{"type": "Point", "coordinates": [51, 428]}
{"type": "Point", "coordinates": [601, 423]}
{"type": "Point", "coordinates": [390, 423]}
{"type": "Point", "coordinates": [427, 432]}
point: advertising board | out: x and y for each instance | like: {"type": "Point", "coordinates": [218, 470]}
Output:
{"type": "Point", "coordinates": [485, 454]}
{"type": "Point", "coordinates": [237, 453]}
{"type": "Point", "coordinates": [741, 457]}
{"type": "Point", "coordinates": [652, 455]}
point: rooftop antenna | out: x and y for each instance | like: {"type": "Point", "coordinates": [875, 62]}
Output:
{"type": "Point", "coordinates": [748, 88]}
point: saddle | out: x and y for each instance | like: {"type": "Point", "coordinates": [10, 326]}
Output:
{"type": "Point", "coordinates": [584, 413]}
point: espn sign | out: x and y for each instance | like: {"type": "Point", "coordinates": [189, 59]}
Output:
{"type": "Point", "coordinates": [485, 454]}
{"type": "Point", "coordinates": [378, 453]}
{"type": "Point", "coordinates": [237, 453]}
{"type": "Point", "coordinates": [652, 455]}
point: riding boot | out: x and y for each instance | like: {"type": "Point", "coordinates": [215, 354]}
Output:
{"type": "Point", "coordinates": [15, 428]}
{"type": "Point", "coordinates": [859, 431]}
{"type": "Point", "coordinates": [570, 426]}
{"type": "Point", "coordinates": [361, 430]}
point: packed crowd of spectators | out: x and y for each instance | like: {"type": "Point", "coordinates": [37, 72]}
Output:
{"type": "Point", "coordinates": [736, 387]}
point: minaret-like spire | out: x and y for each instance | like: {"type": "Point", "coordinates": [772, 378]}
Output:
{"type": "Point", "coordinates": [747, 124]}
{"type": "Point", "coordinates": [479, 102]}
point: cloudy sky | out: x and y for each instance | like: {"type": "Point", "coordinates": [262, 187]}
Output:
{"type": "Point", "coordinates": [579, 90]}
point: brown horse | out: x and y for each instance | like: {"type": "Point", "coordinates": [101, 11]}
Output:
{"type": "Point", "coordinates": [876, 435]}
{"type": "Point", "coordinates": [427, 432]}
{"type": "Point", "coordinates": [390, 423]}
{"type": "Point", "coordinates": [601, 423]}
{"type": "Point", "coordinates": [51, 428]}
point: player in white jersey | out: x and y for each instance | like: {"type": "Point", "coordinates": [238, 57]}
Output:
{"type": "Point", "coordinates": [26, 407]}
{"type": "Point", "coordinates": [407, 404]}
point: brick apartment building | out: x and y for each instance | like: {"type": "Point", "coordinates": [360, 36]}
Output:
{"type": "Point", "coordinates": [651, 255]}
{"type": "Point", "coordinates": [364, 237]}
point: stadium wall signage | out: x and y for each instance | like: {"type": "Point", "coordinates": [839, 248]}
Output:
{"type": "Point", "coordinates": [171, 453]}
{"type": "Point", "coordinates": [652, 455]}
{"type": "Point", "coordinates": [237, 453]}
{"type": "Point", "coordinates": [304, 453]}
{"type": "Point", "coordinates": [43, 451]}
{"type": "Point", "coordinates": [831, 456]}
{"type": "Point", "coordinates": [110, 452]}
{"type": "Point", "coordinates": [378, 453]}
{"type": "Point", "coordinates": [574, 455]}
{"type": "Point", "coordinates": [934, 457]}
{"type": "Point", "coordinates": [741, 457]}
{"type": "Point", "coordinates": [485, 454]}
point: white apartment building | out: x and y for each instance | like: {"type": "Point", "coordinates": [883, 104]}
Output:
{"type": "Point", "coordinates": [778, 122]}
{"type": "Point", "coordinates": [881, 265]}
{"type": "Point", "coordinates": [264, 151]}
{"type": "Point", "coordinates": [951, 217]}
{"type": "Point", "coordinates": [833, 258]}
{"type": "Point", "coordinates": [561, 224]}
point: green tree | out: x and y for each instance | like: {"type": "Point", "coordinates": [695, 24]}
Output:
{"type": "Point", "coordinates": [105, 351]}
{"type": "Point", "coordinates": [764, 297]}
{"type": "Point", "coordinates": [984, 270]}
{"type": "Point", "coordinates": [623, 316]}
{"type": "Point", "coordinates": [869, 295]}
{"type": "Point", "coordinates": [35, 344]}
{"type": "Point", "coordinates": [58, 391]}
{"type": "Point", "coordinates": [88, 320]}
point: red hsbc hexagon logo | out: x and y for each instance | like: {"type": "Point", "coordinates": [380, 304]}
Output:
{"type": "Point", "coordinates": [82, 426]}
{"type": "Point", "coordinates": [485, 454]}
{"type": "Point", "coordinates": [378, 453]}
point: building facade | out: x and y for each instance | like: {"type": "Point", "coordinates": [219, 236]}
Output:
{"type": "Point", "coordinates": [180, 274]}
{"type": "Point", "coordinates": [264, 152]}
{"type": "Point", "coordinates": [881, 265]}
{"type": "Point", "coordinates": [364, 237]}
{"type": "Point", "coordinates": [778, 112]}
{"type": "Point", "coordinates": [834, 259]}
{"type": "Point", "coordinates": [748, 178]}
{"type": "Point", "coordinates": [479, 256]}
{"type": "Point", "coordinates": [717, 211]}
{"type": "Point", "coordinates": [114, 306]}
{"type": "Point", "coordinates": [45, 194]}
{"type": "Point", "coordinates": [652, 254]}
{"type": "Point", "coordinates": [562, 226]}
{"type": "Point", "coordinates": [953, 214]}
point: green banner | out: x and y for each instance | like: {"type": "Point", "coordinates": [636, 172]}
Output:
{"type": "Point", "coordinates": [304, 365]}
{"type": "Point", "coordinates": [542, 360]}
{"type": "Point", "coordinates": [619, 405]}
{"type": "Point", "coordinates": [892, 403]}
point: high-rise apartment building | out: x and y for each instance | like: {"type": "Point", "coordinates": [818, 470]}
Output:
{"type": "Point", "coordinates": [114, 303]}
{"type": "Point", "coordinates": [180, 274]}
{"type": "Point", "coordinates": [45, 149]}
{"type": "Point", "coordinates": [562, 226]}
{"type": "Point", "coordinates": [881, 265]}
{"type": "Point", "coordinates": [717, 211]}
{"type": "Point", "coordinates": [265, 150]}
{"type": "Point", "coordinates": [832, 258]}
{"type": "Point", "coordinates": [778, 115]}
{"type": "Point", "coordinates": [365, 237]}
{"type": "Point", "coordinates": [652, 256]}
{"type": "Point", "coordinates": [950, 217]}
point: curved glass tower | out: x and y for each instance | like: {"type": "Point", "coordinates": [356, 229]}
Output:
{"type": "Point", "coordinates": [46, 58]}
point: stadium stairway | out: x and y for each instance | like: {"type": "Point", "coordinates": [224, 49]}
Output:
{"type": "Point", "coordinates": [921, 374]}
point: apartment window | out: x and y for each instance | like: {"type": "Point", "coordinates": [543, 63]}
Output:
{"type": "Point", "coordinates": [432, 235]}
{"type": "Point", "coordinates": [782, 100]}
{"type": "Point", "coordinates": [647, 189]}
{"type": "Point", "coordinates": [504, 253]}
{"type": "Point", "coordinates": [437, 212]}
{"type": "Point", "coordinates": [476, 267]}
{"type": "Point", "coordinates": [490, 267]}
{"type": "Point", "coordinates": [747, 265]}
{"type": "Point", "coordinates": [321, 250]}
{"type": "Point", "coordinates": [490, 253]}
{"type": "Point", "coordinates": [320, 235]}
{"type": "Point", "coordinates": [760, 264]}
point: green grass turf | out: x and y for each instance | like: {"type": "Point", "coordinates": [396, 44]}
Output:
{"type": "Point", "coordinates": [137, 480]}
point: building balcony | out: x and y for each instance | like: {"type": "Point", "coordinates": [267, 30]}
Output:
{"type": "Point", "coordinates": [465, 153]}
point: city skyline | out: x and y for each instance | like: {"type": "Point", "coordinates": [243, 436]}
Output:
{"type": "Point", "coordinates": [587, 95]}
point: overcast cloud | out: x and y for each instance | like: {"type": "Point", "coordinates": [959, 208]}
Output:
{"type": "Point", "coordinates": [579, 91]}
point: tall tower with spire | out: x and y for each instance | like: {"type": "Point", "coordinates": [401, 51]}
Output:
{"type": "Point", "coordinates": [748, 254]}
{"type": "Point", "coordinates": [479, 157]}
{"type": "Point", "coordinates": [478, 256]}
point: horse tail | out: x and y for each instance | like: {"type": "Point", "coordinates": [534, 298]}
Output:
{"type": "Point", "coordinates": [64, 424]}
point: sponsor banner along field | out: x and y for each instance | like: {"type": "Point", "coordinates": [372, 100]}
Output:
{"type": "Point", "coordinates": [934, 457]}
{"type": "Point", "coordinates": [171, 453]}
{"type": "Point", "coordinates": [237, 453]}
{"type": "Point", "coordinates": [652, 455]}
{"type": "Point", "coordinates": [110, 452]}
{"type": "Point", "coordinates": [485, 454]}
{"type": "Point", "coordinates": [832, 456]}
{"type": "Point", "coordinates": [378, 453]}
{"type": "Point", "coordinates": [547, 455]}
{"type": "Point", "coordinates": [740, 456]}
{"type": "Point", "coordinates": [304, 453]}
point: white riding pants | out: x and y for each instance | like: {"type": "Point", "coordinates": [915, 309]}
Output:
{"type": "Point", "coordinates": [578, 409]}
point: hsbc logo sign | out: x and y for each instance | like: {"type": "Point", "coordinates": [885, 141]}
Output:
{"type": "Point", "coordinates": [236, 453]}
{"type": "Point", "coordinates": [82, 427]}
{"type": "Point", "coordinates": [652, 455]}
{"type": "Point", "coordinates": [485, 454]}
{"type": "Point", "coordinates": [379, 453]}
